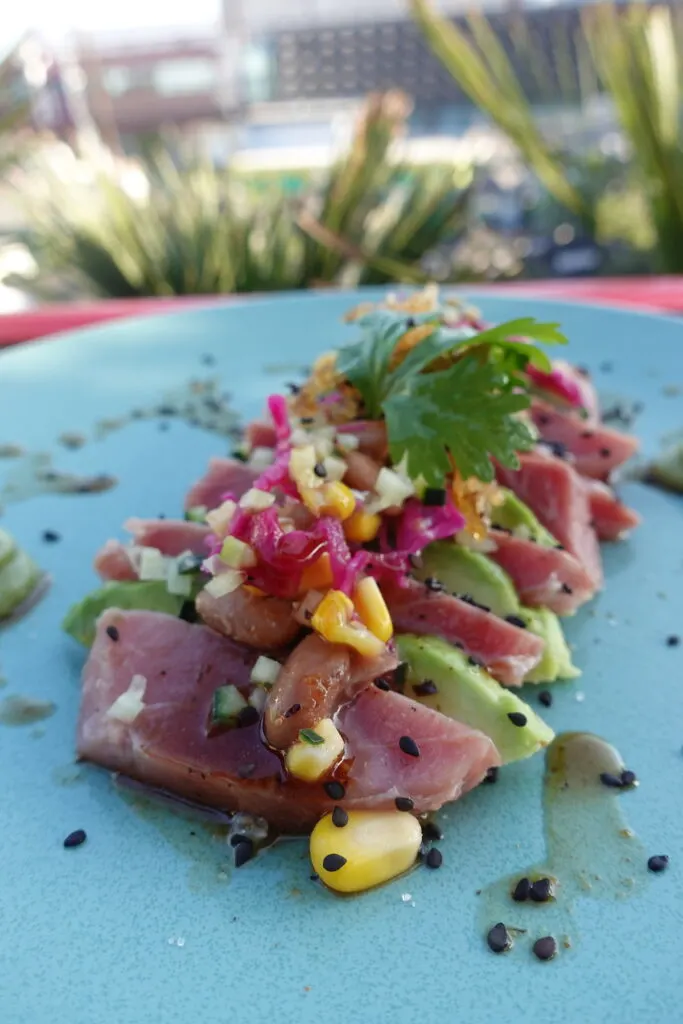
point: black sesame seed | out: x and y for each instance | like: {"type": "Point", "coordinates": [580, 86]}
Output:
{"type": "Point", "coordinates": [610, 780]}
{"type": "Point", "coordinates": [545, 948]}
{"type": "Point", "coordinates": [247, 716]}
{"type": "Point", "coordinates": [319, 469]}
{"type": "Point", "coordinates": [411, 322]}
{"type": "Point", "coordinates": [112, 633]}
{"type": "Point", "coordinates": [431, 583]}
{"type": "Point", "coordinates": [566, 589]}
{"type": "Point", "coordinates": [382, 684]}
{"type": "Point", "coordinates": [541, 890]}
{"type": "Point", "coordinates": [334, 790]}
{"type": "Point", "coordinates": [244, 851]}
{"type": "Point", "coordinates": [587, 433]}
{"type": "Point", "coordinates": [628, 778]}
{"type": "Point", "coordinates": [434, 858]}
{"type": "Point", "coordinates": [543, 420]}
{"type": "Point", "coordinates": [409, 746]}
{"type": "Point", "coordinates": [491, 775]}
{"type": "Point", "coordinates": [51, 536]}
{"type": "Point", "coordinates": [521, 891]}
{"type": "Point", "coordinates": [306, 420]}
{"type": "Point", "coordinates": [517, 718]}
{"type": "Point", "coordinates": [515, 620]}
{"type": "Point", "coordinates": [239, 838]}
{"type": "Point", "coordinates": [77, 838]}
{"type": "Point", "coordinates": [605, 452]}
{"type": "Point", "coordinates": [403, 803]}
{"type": "Point", "coordinates": [560, 547]}
{"type": "Point", "coordinates": [294, 710]}
{"type": "Point", "coordinates": [673, 640]}
{"type": "Point", "coordinates": [293, 388]}
{"type": "Point", "coordinates": [498, 938]}
{"type": "Point", "coordinates": [400, 673]}
{"type": "Point", "coordinates": [314, 878]}
{"type": "Point", "coordinates": [431, 832]}
{"type": "Point", "coordinates": [434, 496]}
{"type": "Point", "coordinates": [425, 689]}
{"type": "Point", "coordinates": [334, 861]}
{"type": "Point", "coordinates": [475, 662]}
{"type": "Point", "coordinates": [659, 862]}
{"type": "Point", "coordinates": [239, 455]}
{"type": "Point", "coordinates": [545, 698]}
{"type": "Point", "coordinates": [340, 817]}
{"type": "Point", "coordinates": [583, 370]}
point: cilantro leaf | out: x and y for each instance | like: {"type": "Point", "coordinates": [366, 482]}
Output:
{"type": "Point", "coordinates": [465, 412]}
{"type": "Point", "coordinates": [366, 362]}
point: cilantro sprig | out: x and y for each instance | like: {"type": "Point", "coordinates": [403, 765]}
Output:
{"type": "Point", "coordinates": [466, 412]}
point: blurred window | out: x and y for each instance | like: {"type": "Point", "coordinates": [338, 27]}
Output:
{"type": "Point", "coordinates": [184, 76]}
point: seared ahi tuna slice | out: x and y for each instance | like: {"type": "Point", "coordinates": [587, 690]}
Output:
{"type": "Point", "coordinates": [264, 623]}
{"type": "Point", "coordinates": [588, 412]}
{"type": "Point", "coordinates": [260, 434]}
{"type": "Point", "coordinates": [506, 651]}
{"type": "Point", "coordinates": [114, 561]}
{"type": "Point", "coordinates": [596, 450]}
{"type": "Point", "coordinates": [314, 681]}
{"type": "Point", "coordinates": [612, 520]}
{"type": "Point", "coordinates": [453, 758]}
{"type": "Point", "coordinates": [165, 743]}
{"type": "Point", "coordinates": [543, 576]}
{"type": "Point", "coordinates": [558, 496]}
{"type": "Point", "coordinates": [222, 476]}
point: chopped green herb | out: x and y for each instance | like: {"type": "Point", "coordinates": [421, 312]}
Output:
{"type": "Point", "coordinates": [310, 736]}
{"type": "Point", "coordinates": [467, 412]}
{"type": "Point", "coordinates": [196, 514]}
{"type": "Point", "coordinates": [226, 705]}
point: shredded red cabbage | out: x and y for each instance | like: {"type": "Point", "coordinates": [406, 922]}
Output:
{"type": "Point", "coordinates": [277, 407]}
{"type": "Point", "coordinates": [558, 383]}
{"type": "Point", "coordinates": [420, 524]}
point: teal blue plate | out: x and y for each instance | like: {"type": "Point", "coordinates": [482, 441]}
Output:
{"type": "Point", "coordinates": [146, 923]}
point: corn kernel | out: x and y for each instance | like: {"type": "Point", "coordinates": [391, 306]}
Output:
{"type": "Point", "coordinates": [338, 501]}
{"type": "Point", "coordinates": [310, 761]}
{"type": "Point", "coordinates": [362, 527]}
{"type": "Point", "coordinates": [372, 610]}
{"type": "Point", "coordinates": [375, 846]}
{"type": "Point", "coordinates": [332, 619]}
{"type": "Point", "coordinates": [317, 576]}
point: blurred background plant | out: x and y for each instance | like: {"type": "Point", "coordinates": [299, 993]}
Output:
{"type": "Point", "coordinates": [628, 52]}
{"type": "Point", "coordinates": [183, 226]}
{"type": "Point", "coordinates": [519, 143]}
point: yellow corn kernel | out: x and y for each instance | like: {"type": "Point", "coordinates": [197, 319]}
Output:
{"type": "Point", "coordinates": [338, 501]}
{"type": "Point", "coordinates": [375, 846]}
{"type": "Point", "coordinates": [362, 527]}
{"type": "Point", "coordinates": [332, 620]}
{"type": "Point", "coordinates": [372, 610]}
{"type": "Point", "coordinates": [310, 761]}
{"type": "Point", "coordinates": [237, 554]}
{"type": "Point", "coordinates": [317, 576]}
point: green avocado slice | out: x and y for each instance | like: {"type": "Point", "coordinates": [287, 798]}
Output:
{"type": "Point", "coordinates": [19, 576]}
{"type": "Point", "coordinates": [470, 695]}
{"type": "Point", "coordinates": [556, 662]}
{"type": "Point", "coordinates": [514, 515]}
{"type": "Point", "coordinates": [139, 595]}
{"type": "Point", "coordinates": [8, 547]}
{"type": "Point", "coordinates": [470, 572]}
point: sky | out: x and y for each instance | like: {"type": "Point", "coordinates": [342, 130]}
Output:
{"type": "Point", "coordinates": [56, 19]}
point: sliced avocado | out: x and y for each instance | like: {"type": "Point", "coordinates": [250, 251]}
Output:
{"type": "Point", "coordinates": [514, 515]}
{"type": "Point", "coordinates": [556, 662]}
{"type": "Point", "coordinates": [470, 695]}
{"type": "Point", "coordinates": [469, 572]}
{"type": "Point", "coordinates": [147, 595]}
{"type": "Point", "coordinates": [19, 576]}
{"type": "Point", "coordinates": [8, 547]}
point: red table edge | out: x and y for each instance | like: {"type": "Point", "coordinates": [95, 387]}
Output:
{"type": "Point", "coordinates": [653, 294]}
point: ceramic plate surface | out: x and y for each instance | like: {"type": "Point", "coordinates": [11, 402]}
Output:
{"type": "Point", "coordinates": [146, 923]}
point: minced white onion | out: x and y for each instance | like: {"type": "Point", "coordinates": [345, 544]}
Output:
{"type": "Point", "coordinates": [224, 583]}
{"type": "Point", "coordinates": [219, 518]}
{"type": "Point", "coordinates": [153, 565]}
{"type": "Point", "coordinates": [261, 458]}
{"type": "Point", "coordinates": [128, 705]}
{"type": "Point", "coordinates": [178, 583]}
{"type": "Point", "coordinates": [258, 698]}
{"type": "Point", "coordinates": [391, 488]}
{"type": "Point", "coordinates": [265, 671]}
{"type": "Point", "coordinates": [255, 500]}
{"type": "Point", "coordinates": [347, 442]}
{"type": "Point", "coordinates": [335, 467]}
